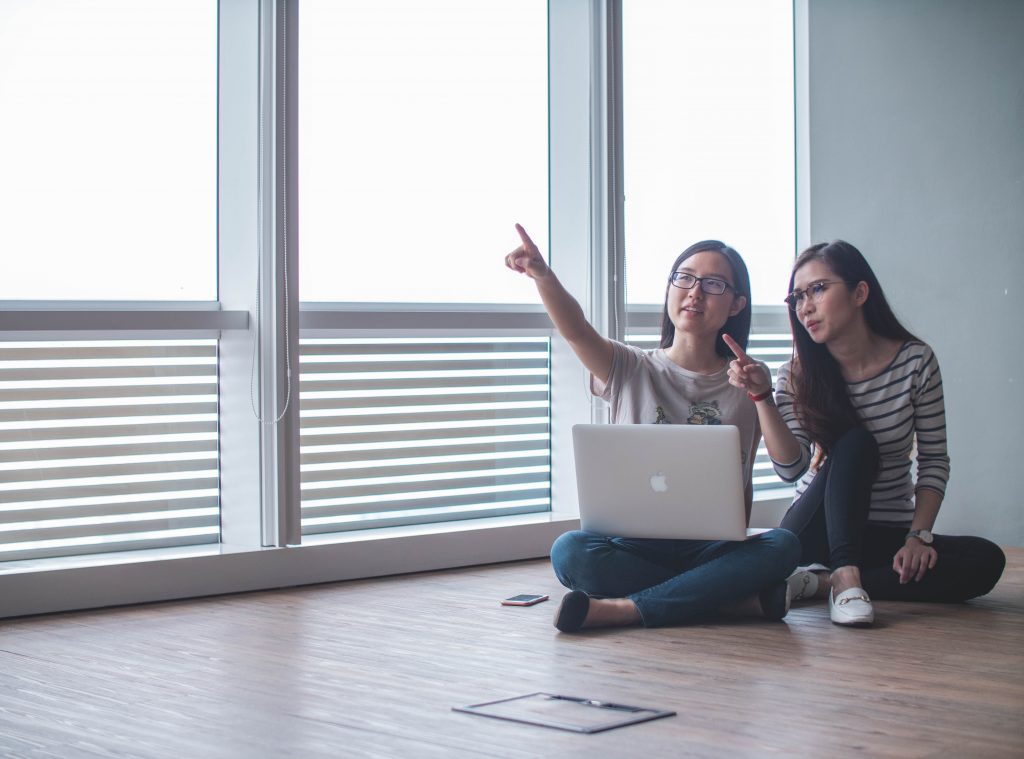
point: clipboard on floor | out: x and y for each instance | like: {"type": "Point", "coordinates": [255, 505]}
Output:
{"type": "Point", "coordinates": [578, 715]}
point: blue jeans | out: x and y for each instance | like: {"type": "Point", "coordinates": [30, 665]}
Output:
{"type": "Point", "coordinates": [673, 581]}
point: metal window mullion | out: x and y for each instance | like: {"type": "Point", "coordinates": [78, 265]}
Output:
{"type": "Point", "coordinates": [607, 267]}
{"type": "Point", "coordinates": [278, 329]}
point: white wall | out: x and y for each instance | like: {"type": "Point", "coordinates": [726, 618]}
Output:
{"type": "Point", "coordinates": [916, 156]}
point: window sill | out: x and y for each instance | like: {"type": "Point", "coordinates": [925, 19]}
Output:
{"type": "Point", "coordinates": [42, 586]}
{"type": "Point", "coordinates": [53, 585]}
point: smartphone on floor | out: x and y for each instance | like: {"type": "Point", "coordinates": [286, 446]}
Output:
{"type": "Point", "coordinates": [524, 599]}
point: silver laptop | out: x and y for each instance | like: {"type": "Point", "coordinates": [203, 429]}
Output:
{"type": "Point", "coordinates": [680, 481]}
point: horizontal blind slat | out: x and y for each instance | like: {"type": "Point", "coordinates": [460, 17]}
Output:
{"type": "Point", "coordinates": [170, 427]}
{"type": "Point", "coordinates": [433, 482]}
{"type": "Point", "coordinates": [69, 489]}
{"type": "Point", "coordinates": [393, 467]}
{"type": "Point", "coordinates": [72, 351]}
{"type": "Point", "coordinates": [154, 444]}
{"type": "Point", "coordinates": [395, 419]}
{"type": "Point", "coordinates": [437, 435]}
{"type": "Point", "coordinates": [205, 385]}
{"type": "Point", "coordinates": [74, 414]}
{"type": "Point", "coordinates": [103, 468]}
{"type": "Point", "coordinates": [439, 500]}
{"type": "Point", "coordinates": [109, 509]}
{"type": "Point", "coordinates": [416, 398]}
{"type": "Point", "coordinates": [403, 368]}
{"type": "Point", "coordinates": [316, 386]}
{"type": "Point", "coordinates": [451, 447]}
{"type": "Point", "coordinates": [406, 348]}
{"type": "Point", "coordinates": [313, 526]}
{"type": "Point", "coordinates": [103, 372]}
{"type": "Point", "coordinates": [107, 544]}
{"type": "Point", "coordinates": [145, 523]}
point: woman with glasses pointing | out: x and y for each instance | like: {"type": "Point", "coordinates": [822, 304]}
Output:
{"type": "Point", "coordinates": [861, 397]}
{"type": "Point", "coordinates": [629, 581]}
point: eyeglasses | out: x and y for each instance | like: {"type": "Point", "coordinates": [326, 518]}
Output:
{"type": "Point", "coordinates": [710, 285]}
{"type": "Point", "coordinates": [815, 290]}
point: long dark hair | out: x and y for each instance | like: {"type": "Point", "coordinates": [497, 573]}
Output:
{"type": "Point", "coordinates": [819, 389]}
{"type": "Point", "coordinates": [737, 326]}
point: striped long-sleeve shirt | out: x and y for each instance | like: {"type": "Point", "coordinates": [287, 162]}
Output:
{"type": "Point", "coordinates": [902, 404]}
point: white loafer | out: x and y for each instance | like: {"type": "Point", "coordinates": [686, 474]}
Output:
{"type": "Point", "coordinates": [851, 607]}
{"type": "Point", "coordinates": [803, 584]}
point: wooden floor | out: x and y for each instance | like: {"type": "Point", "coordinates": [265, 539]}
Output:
{"type": "Point", "coordinates": [372, 668]}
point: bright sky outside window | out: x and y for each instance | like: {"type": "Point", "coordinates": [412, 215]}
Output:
{"type": "Point", "coordinates": [108, 186]}
{"type": "Point", "coordinates": [708, 131]}
{"type": "Point", "coordinates": [423, 139]}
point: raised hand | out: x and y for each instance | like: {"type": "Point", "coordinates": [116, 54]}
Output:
{"type": "Point", "coordinates": [745, 372]}
{"type": "Point", "coordinates": [526, 259]}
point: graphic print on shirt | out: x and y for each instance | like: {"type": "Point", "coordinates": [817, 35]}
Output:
{"type": "Point", "coordinates": [705, 412]}
{"type": "Point", "coordinates": [662, 419]}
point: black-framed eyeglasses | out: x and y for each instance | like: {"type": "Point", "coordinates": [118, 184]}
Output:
{"type": "Point", "coordinates": [710, 285]}
{"type": "Point", "coordinates": [814, 290]}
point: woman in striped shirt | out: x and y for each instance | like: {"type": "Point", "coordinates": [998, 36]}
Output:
{"type": "Point", "coordinates": [860, 396]}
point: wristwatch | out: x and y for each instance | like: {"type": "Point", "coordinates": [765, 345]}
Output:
{"type": "Point", "coordinates": [925, 536]}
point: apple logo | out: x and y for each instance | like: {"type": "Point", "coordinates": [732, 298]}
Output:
{"type": "Point", "coordinates": [659, 483]}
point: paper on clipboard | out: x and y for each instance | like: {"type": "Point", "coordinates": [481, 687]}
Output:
{"type": "Point", "coordinates": [579, 715]}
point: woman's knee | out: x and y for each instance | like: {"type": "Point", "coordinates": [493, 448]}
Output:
{"type": "Point", "coordinates": [857, 441]}
{"type": "Point", "coordinates": [968, 566]}
{"type": "Point", "coordinates": [785, 549]}
{"type": "Point", "coordinates": [566, 552]}
{"type": "Point", "coordinates": [988, 562]}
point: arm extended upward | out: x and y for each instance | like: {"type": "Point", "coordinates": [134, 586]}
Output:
{"type": "Point", "coordinates": [592, 349]}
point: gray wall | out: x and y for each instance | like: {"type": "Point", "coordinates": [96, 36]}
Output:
{"type": "Point", "coordinates": [916, 156]}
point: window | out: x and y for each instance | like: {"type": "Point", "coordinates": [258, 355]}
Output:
{"type": "Point", "coordinates": [708, 147]}
{"type": "Point", "coordinates": [109, 185]}
{"type": "Point", "coordinates": [423, 139]}
{"type": "Point", "coordinates": [108, 411]}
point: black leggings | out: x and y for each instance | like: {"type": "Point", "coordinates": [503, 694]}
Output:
{"type": "Point", "coordinates": [830, 518]}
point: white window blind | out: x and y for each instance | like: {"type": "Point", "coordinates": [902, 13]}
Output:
{"type": "Point", "coordinates": [399, 431]}
{"type": "Point", "coordinates": [107, 446]}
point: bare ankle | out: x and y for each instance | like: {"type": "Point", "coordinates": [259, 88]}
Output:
{"type": "Point", "coordinates": [611, 612]}
{"type": "Point", "coordinates": [744, 607]}
{"type": "Point", "coordinates": [844, 578]}
{"type": "Point", "coordinates": [824, 584]}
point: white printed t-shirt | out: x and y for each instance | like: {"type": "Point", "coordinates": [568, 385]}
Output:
{"type": "Point", "coordinates": [647, 387]}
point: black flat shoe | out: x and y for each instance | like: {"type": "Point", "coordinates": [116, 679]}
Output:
{"type": "Point", "coordinates": [775, 600]}
{"type": "Point", "coordinates": [572, 611]}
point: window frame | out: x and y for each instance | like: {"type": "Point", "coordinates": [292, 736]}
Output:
{"type": "Point", "coordinates": [261, 547]}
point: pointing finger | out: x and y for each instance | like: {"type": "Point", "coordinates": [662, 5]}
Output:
{"type": "Point", "coordinates": [735, 348]}
{"type": "Point", "coordinates": [525, 237]}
